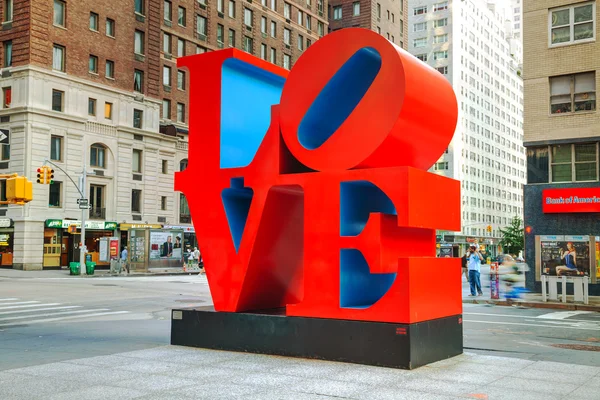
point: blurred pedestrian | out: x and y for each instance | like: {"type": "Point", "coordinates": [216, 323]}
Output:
{"type": "Point", "coordinates": [474, 266]}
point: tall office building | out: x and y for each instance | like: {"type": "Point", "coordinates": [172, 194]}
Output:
{"type": "Point", "coordinates": [467, 42]}
{"type": "Point", "coordinates": [95, 84]}
{"type": "Point", "coordinates": [562, 135]}
{"type": "Point", "coordinates": [386, 17]}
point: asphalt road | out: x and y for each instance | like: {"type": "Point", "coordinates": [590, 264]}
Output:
{"type": "Point", "coordinates": [45, 320]}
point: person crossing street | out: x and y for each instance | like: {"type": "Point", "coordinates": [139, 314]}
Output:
{"type": "Point", "coordinates": [474, 259]}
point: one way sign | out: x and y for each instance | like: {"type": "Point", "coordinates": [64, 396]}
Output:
{"type": "Point", "coordinates": [4, 136]}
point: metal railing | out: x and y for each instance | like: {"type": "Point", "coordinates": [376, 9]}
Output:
{"type": "Point", "coordinates": [97, 213]}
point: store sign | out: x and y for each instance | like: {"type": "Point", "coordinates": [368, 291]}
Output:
{"type": "Point", "coordinates": [186, 229]}
{"type": "Point", "coordinates": [96, 225]}
{"type": "Point", "coordinates": [571, 200]}
{"type": "Point", "coordinates": [6, 222]}
{"type": "Point", "coordinates": [126, 227]}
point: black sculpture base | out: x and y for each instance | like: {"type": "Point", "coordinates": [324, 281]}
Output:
{"type": "Point", "coordinates": [404, 346]}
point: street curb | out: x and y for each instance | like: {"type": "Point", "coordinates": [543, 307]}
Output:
{"type": "Point", "coordinates": [531, 304]}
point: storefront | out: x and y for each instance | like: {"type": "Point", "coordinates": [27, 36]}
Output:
{"type": "Point", "coordinates": [152, 246]}
{"type": "Point", "coordinates": [457, 245]}
{"type": "Point", "coordinates": [189, 237]}
{"type": "Point", "coordinates": [6, 242]}
{"type": "Point", "coordinates": [63, 237]}
{"type": "Point", "coordinates": [562, 232]}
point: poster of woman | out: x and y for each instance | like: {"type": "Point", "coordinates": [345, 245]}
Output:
{"type": "Point", "coordinates": [565, 255]}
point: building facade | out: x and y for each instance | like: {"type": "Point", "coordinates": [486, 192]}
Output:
{"type": "Point", "coordinates": [467, 42]}
{"type": "Point", "coordinates": [562, 134]}
{"type": "Point", "coordinates": [94, 85]}
{"type": "Point", "coordinates": [386, 17]}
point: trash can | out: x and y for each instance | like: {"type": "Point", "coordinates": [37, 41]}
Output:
{"type": "Point", "coordinates": [89, 267]}
{"type": "Point", "coordinates": [74, 268]}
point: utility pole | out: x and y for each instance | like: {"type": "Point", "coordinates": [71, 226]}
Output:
{"type": "Point", "coordinates": [82, 247]}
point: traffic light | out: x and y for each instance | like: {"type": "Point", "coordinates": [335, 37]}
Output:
{"type": "Point", "coordinates": [49, 175]}
{"type": "Point", "coordinates": [489, 228]}
{"type": "Point", "coordinates": [19, 190]}
{"type": "Point", "coordinates": [41, 175]}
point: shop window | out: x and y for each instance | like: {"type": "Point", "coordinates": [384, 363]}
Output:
{"type": "Point", "coordinates": [573, 93]}
{"type": "Point", "coordinates": [98, 156]}
{"type": "Point", "coordinates": [136, 201]}
{"type": "Point", "coordinates": [54, 199]}
{"type": "Point", "coordinates": [56, 148]}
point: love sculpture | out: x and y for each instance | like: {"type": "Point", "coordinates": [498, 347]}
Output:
{"type": "Point", "coordinates": [310, 195]}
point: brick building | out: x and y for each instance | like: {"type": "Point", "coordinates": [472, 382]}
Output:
{"type": "Point", "coordinates": [95, 84]}
{"type": "Point", "coordinates": [562, 135]}
{"type": "Point", "coordinates": [386, 17]}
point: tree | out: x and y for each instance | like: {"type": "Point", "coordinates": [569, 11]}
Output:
{"type": "Point", "coordinates": [513, 237]}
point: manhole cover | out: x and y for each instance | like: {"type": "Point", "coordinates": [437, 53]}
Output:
{"type": "Point", "coordinates": [583, 347]}
{"type": "Point", "coordinates": [104, 284]}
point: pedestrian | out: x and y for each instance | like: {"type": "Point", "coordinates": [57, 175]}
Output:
{"type": "Point", "coordinates": [464, 267]}
{"type": "Point", "coordinates": [124, 259]}
{"type": "Point", "coordinates": [474, 266]}
{"type": "Point", "coordinates": [198, 257]}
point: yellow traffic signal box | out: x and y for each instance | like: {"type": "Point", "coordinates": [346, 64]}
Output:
{"type": "Point", "coordinates": [19, 190]}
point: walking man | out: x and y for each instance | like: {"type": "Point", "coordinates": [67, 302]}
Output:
{"type": "Point", "coordinates": [124, 259]}
{"type": "Point", "coordinates": [474, 259]}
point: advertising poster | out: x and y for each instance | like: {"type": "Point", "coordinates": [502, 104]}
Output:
{"type": "Point", "coordinates": [166, 244]}
{"type": "Point", "coordinates": [114, 247]}
{"type": "Point", "coordinates": [565, 255]}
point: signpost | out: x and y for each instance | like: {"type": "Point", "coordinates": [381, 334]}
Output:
{"type": "Point", "coordinates": [83, 204]}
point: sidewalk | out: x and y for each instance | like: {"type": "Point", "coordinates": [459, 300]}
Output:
{"type": "Point", "coordinates": [62, 273]}
{"type": "Point", "coordinates": [172, 372]}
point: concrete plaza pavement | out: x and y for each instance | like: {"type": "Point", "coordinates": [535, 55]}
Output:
{"type": "Point", "coordinates": [172, 372]}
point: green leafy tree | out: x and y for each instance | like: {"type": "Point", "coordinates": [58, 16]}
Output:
{"type": "Point", "coordinates": [513, 236]}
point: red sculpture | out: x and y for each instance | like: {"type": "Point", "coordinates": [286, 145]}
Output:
{"type": "Point", "coordinates": [314, 194]}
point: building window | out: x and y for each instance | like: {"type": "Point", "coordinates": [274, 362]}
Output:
{"type": "Point", "coordinates": [442, 70]}
{"type": "Point", "coordinates": [273, 29]}
{"type": "Point", "coordinates": [231, 11]}
{"type": "Point", "coordinates": [98, 155]}
{"type": "Point", "coordinates": [181, 16]}
{"type": "Point", "coordinates": [110, 27]}
{"type": "Point", "coordinates": [97, 202]}
{"type": "Point", "coordinates": [420, 42]}
{"type": "Point", "coordinates": [166, 76]}
{"type": "Point", "coordinates": [110, 69]}
{"type": "Point", "coordinates": [378, 11]}
{"type": "Point", "coordinates": [574, 163]}
{"type": "Point", "coordinates": [274, 5]}
{"type": "Point", "coordinates": [420, 27]}
{"type": "Point", "coordinates": [273, 56]}
{"type": "Point", "coordinates": [108, 108]}
{"type": "Point", "coordinates": [287, 10]}
{"type": "Point", "coordinates": [308, 22]}
{"type": "Point", "coordinates": [420, 10]}
{"type": "Point", "coordinates": [54, 194]}
{"type": "Point", "coordinates": [181, 112]}
{"type": "Point", "coordinates": [138, 80]}
{"type": "Point", "coordinates": [183, 164]}
{"type": "Point", "coordinates": [438, 23]}
{"type": "Point", "coordinates": [300, 42]}
{"type": "Point", "coordinates": [422, 57]}
{"type": "Point", "coordinates": [440, 6]}
{"type": "Point", "coordinates": [138, 117]}
{"type": "Point", "coordinates": [320, 28]}
{"type": "Point", "coordinates": [91, 106]}
{"type": "Point", "coordinates": [440, 38]}
{"type": "Point", "coordinates": [356, 8]}
{"type": "Point", "coordinates": [93, 64]}
{"type": "Point", "coordinates": [248, 44]}
{"type": "Point", "coordinates": [287, 61]}
{"type": "Point", "coordinates": [7, 53]}
{"type": "Point", "coordinates": [166, 109]}
{"type": "Point", "coordinates": [94, 21]}
{"type": "Point", "coordinates": [136, 163]}
{"type": "Point", "coordinates": [572, 24]}
{"type": "Point", "coordinates": [247, 17]}
{"type": "Point", "coordinates": [220, 34]}
{"type": "Point", "coordinates": [58, 58]}
{"type": "Point", "coordinates": [301, 17]}
{"type": "Point", "coordinates": [201, 26]}
{"type": "Point", "coordinates": [166, 43]}
{"type": "Point", "coordinates": [163, 203]}
{"type": "Point", "coordinates": [139, 6]}
{"type": "Point", "coordinates": [57, 100]}
{"type": "Point", "coordinates": [184, 210]}
{"type": "Point", "coordinates": [138, 46]}
{"type": "Point", "coordinates": [537, 165]}
{"type": "Point", "coordinates": [180, 47]}
{"type": "Point", "coordinates": [231, 38]}
{"type": "Point", "coordinates": [6, 96]}
{"type": "Point", "coordinates": [181, 80]}
{"type": "Point", "coordinates": [136, 201]}
{"type": "Point", "coordinates": [56, 148]}
{"type": "Point", "coordinates": [287, 36]}
{"type": "Point", "coordinates": [439, 55]}
{"type": "Point", "coordinates": [59, 12]}
{"type": "Point", "coordinates": [168, 11]}
{"type": "Point", "coordinates": [165, 166]}
{"type": "Point", "coordinates": [8, 10]}
{"type": "Point", "coordinates": [263, 51]}
{"type": "Point", "coordinates": [573, 93]}
{"type": "Point", "coordinates": [337, 12]}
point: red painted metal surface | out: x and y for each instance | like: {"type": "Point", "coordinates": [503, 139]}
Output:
{"type": "Point", "coordinates": [290, 250]}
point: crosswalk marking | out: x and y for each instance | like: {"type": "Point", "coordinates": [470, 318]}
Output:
{"type": "Point", "coordinates": [37, 309]}
{"type": "Point", "coordinates": [30, 305]}
{"type": "Point", "coordinates": [562, 314]}
{"type": "Point", "coordinates": [51, 314]}
{"type": "Point", "coordinates": [39, 321]}
{"type": "Point", "coordinates": [11, 299]}
{"type": "Point", "coordinates": [20, 302]}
